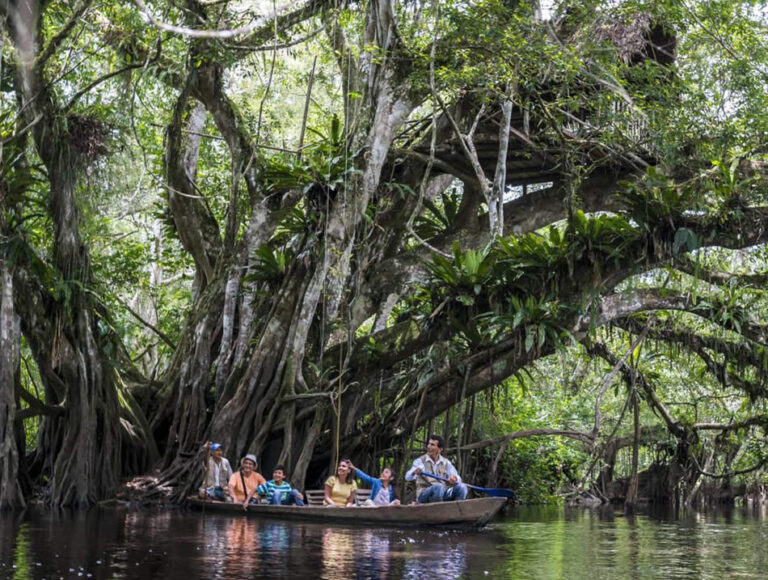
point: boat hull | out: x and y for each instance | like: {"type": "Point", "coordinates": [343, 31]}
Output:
{"type": "Point", "coordinates": [466, 513]}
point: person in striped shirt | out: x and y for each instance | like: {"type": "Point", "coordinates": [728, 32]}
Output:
{"type": "Point", "coordinates": [278, 491]}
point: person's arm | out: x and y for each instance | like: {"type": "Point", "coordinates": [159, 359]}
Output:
{"type": "Point", "coordinates": [227, 474]}
{"type": "Point", "coordinates": [453, 475]}
{"type": "Point", "coordinates": [231, 487]}
{"type": "Point", "coordinates": [206, 463]}
{"type": "Point", "coordinates": [254, 492]}
{"type": "Point", "coordinates": [416, 468]}
{"type": "Point", "coordinates": [249, 495]}
{"type": "Point", "coordinates": [364, 477]}
{"type": "Point", "coordinates": [327, 499]}
{"type": "Point", "coordinates": [263, 489]}
{"type": "Point", "coordinates": [351, 498]}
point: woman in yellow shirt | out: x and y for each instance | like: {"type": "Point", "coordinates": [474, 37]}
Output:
{"type": "Point", "coordinates": [340, 488]}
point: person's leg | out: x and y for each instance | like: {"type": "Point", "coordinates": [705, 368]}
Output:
{"type": "Point", "coordinates": [456, 492]}
{"type": "Point", "coordinates": [218, 493]}
{"type": "Point", "coordinates": [293, 498]}
{"type": "Point", "coordinates": [275, 499]}
{"type": "Point", "coordinates": [433, 493]}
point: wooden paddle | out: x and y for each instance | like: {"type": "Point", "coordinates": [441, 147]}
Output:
{"type": "Point", "coordinates": [491, 491]}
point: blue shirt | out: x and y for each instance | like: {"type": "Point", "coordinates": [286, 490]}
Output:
{"type": "Point", "coordinates": [375, 484]}
{"type": "Point", "coordinates": [269, 488]}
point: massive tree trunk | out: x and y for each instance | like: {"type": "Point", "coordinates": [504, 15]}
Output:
{"type": "Point", "coordinates": [10, 491]}
{"type": "Point", "coordinates": [83, 442]}
{"type": "Point", "coordinates": [261, 392]}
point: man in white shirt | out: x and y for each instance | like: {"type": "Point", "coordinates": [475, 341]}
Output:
{"type": "Point", "coordinates": [429, 489]}
{"type": "Point", "coordinates": [217, 472]}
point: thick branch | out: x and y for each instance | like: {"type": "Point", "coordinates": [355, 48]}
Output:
{"type": "Point", "coordinates": [760, 420]}
{"type": "Point", "coordinates": [686, 264]}
{"type": "Point", "coordinates": [585, 437]}
{"type": "Point", "coordinates": [195, 223]}
{"type": "Point", "coordinates": [618, 306]}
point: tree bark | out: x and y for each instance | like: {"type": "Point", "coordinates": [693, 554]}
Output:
{"type": "Point", "coordinates": [10, 490]}
{"type": "Point", "coordinates": [84, 443]}
{"type": "Point", "coordinates": [631, 501]}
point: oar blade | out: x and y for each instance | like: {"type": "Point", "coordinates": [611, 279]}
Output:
{"type": "Point", "coordinates": [498, 492]}
{"type": "Point", "coordinates": [494, 491]}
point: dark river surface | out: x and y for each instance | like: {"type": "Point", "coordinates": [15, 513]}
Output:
{"type": "Point", "coordinates": [526, 542]}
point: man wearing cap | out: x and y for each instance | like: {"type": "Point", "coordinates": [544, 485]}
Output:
{"type": "Point", "coordinates": [244, 484]}
{"type": "Point", "coordinates": [217, 472]}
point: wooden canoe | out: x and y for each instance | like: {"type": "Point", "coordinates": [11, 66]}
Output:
{"type": "Point", "coordinates": [466, 513]}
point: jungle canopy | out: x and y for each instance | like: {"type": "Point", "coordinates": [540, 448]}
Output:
{"type": "Point", "coordinates": [327, 228]}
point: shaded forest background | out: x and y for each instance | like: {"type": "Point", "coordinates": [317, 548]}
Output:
{"type": "Point", "coordinates": [324, 228]}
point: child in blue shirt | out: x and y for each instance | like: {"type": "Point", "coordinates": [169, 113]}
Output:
{"type": "Point", "coordinates": [278, 491]}
{"type": "Point", "coordinates": [382, 492]}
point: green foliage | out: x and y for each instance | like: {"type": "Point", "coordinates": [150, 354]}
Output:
{"type": "Point", "coordinates": [440, 214]}
{"type": "Point", "coordinates": [325, 164]}
{"type": "Point", "coordinates": [538, 320]}
{"type": "Point", "coordinates": [298, 220]}
{"type": "Point", "coordinates": [269, 265]}
{"type": "Point", "coordinates": [599, 238]}
{"type": "Point", "coordinates": [657, 201]}
{"type": "Point", "coordinates": [589, 103]}
{"type": "Point", "coordinates": [468, 271]}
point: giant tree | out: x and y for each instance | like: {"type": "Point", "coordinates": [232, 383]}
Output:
{"type": "Point", "coordinates": [486, 185]}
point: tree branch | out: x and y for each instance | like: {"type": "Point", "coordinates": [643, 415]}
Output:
{"type": "Point", "coordinates": [55, 42]}
{"type": "Point", "coordinates": [585, 437]}
{"type": "Point", "coordinates": [166, 339]}
{"type": "Point", "coordinates": [601, 350]}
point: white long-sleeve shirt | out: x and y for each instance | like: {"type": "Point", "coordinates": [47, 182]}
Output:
{"type": "Point", "coordinates": [441, 467]}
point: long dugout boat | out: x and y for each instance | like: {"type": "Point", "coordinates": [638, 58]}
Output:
{"type": "Point", "coordinates": [466, 513]}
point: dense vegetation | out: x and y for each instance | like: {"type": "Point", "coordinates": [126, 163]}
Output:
{"type": "Point", "coordinates": [328, 228]}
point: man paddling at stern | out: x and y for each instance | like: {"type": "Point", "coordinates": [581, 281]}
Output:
{"type": "Point", "coordinates": [429, 490]}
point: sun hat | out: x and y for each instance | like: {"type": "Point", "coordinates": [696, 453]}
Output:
{"type": "Point", "coordinates": [250, 457]}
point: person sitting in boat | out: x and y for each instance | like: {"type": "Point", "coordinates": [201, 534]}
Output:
{"type": "Point", "coordinates": [340, 488]}
{"type": "Point", "coordinates": [382, 490]}
{"type": "Point", "coordinates": [278, 491]}
{"type": "Point", "coordinates": [244, 485]}
{"type": "Point", "coordinates": [428, 489]}
{"type": "Point", "coordinates": [216, 473]}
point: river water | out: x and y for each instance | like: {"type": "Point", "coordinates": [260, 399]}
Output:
{"type": "Point", "coordinates": [526, 542]}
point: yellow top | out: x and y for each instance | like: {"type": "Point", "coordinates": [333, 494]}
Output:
{"type": "Point", "coordinates": [340, 491]}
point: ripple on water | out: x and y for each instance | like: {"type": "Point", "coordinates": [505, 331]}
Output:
{"type": "Point", "coordinates": [530, 542]}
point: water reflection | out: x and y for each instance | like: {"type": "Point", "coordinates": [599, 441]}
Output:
{"type": "Point", "coordinates": [728, 543]}
{"type": "Point", "coordinates": [531, 542]}
{"type": "Point", "coordinates": [242, 541]}
{"type": "Point", "coordinates": [338, 553]}
{"type": "Point", "coordinates": [447, 563]}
